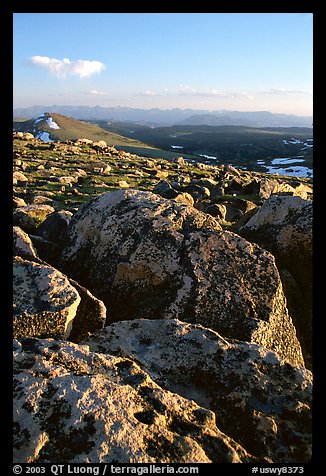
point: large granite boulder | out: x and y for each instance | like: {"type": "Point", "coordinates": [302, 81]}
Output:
{"type": "Point", "coordinates": [148, 257]}
{"type": "Point", "coordinates": [72, 405]}
{"type": "Point", "coordinates": [283, 225]}
{"type": "Point", "coordinates": [46, 304]}
{"type": "Point", "coordinates": [259, 400]}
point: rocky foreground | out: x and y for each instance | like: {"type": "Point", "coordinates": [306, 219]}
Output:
{"type": "Point", "coordinates": [162, 310]}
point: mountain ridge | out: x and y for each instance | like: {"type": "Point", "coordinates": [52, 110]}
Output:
{"type": "Point", "coordinates": [59, 127]}
{"type": "Point", "coordinates": [156, 116]}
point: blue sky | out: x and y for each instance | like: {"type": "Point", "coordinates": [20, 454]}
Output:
{"type": "Point", "coordinates": [235, 61]}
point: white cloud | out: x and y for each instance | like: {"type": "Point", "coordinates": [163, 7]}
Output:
{"type": "Point", "coordinates": [213, 93]}
{"type": "Point", "coordinates": [95, 92]}
{"type": "Point", "coordinates": [186, 89]}
{"type": "Point", "coordinates": [66, 67]}
{"type": "Point", "coordinates": [243, 94]}
{"type": "Point", "coordinates": [282, 91]}
{"type": "Point", "coordinates": [149, 92]}
{"type": "Point", "coordinates": [152, 93]}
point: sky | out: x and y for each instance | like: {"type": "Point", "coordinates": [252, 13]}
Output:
{"type": "Point", "coordinates": [214, 61]}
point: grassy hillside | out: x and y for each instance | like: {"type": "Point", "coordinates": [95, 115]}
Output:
{"type": "Point", "coordinates": [72, 129]}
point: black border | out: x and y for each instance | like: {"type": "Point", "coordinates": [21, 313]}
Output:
{"type": "Point", "coordinates": [227, 6]}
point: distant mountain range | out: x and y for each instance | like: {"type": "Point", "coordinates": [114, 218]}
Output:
{"type": "Point", "coordinates": [167, 117]}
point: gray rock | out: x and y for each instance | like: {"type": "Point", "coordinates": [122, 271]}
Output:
{"type": "Point", "coordinates": [48, 304]}
{"type": "Point", "coordinates": [263, 188]}
{"type": "Point", "coordinates": [206, 182]}
{"type": "Point", "coordinates": [165, 189]}
{"type": "Point", "coordinates": [44, 301]}
{"type": "Point", "coordinates": [19, 177]}
{"type": "Point", "coordinates": [217, 210]}
{"type": "Point", "coordinates": [198, 192]}
{"type": "Point", "coordinates": [23, 246]}
{"type": "Point", "coordinates": [76, 406]}
{"type": "Point", "coordinates": [19, 202]}
{"type": "Point", "coordinates": [54, 227]}
{"type": "Point", "coordinates": [283, 225]}
{"type": "Point", "coordinates": [184, 197]}
{"type": "Point", "coordinates": [24, 221]}
{"type": "Point", "coordinates": [236, 208]}
{"type": "Point", "coordinates": [30, 217]}
{"type": "Point", "coordinates": [259, 400]}
{"type": "Point", "coordinates": [144, 256]}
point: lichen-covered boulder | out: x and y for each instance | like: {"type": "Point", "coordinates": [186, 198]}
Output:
{"type": "Point", "coordinates": [259, 400]}
{"type": "Point", "coordinates": [46, 304]}
{"type": "Point", "coordinates": [76, 406]}
{"type": "Point", "coordinates": [283, 225]}
{"type": "Point", "coordinates": [148, 257]}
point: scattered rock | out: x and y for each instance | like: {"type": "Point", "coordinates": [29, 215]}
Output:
{"type": "Point", "coordinates": [198, 192]}
{"type": "Point", "coordinates": [185, 198]}
{"type": "Point", "coordinates": [180, 161]}
{"type": "Point", "coordinates": [84, 141]}
{"type": "Point", "coordinates": [217, 210]}
{"type": "Point", "coordinates": [165, 189]}
{"type": "Point", "coordinates": [28, 136]}
{"type": "Point", "coordinates": [41, 200]}
{"type": "Point", "coordinates": [67, 179]}
{"type": "Point", "coordinates": [19, 177]}
{"type": "Point", "coordinates": [99, 145]}
{"type": "Point", "coordinates": [123, 184]}
{"type": "Point", "coordinates": [159, 258]}
{"type": "Point", "coordinates": [24, 221]}
{"type": "Point", "coordinates": [19, 202]}
{"type": "Point", "coordinates": [48, 251]}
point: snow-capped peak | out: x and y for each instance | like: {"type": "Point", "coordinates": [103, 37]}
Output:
{"type": "Point", "coordinates": [48, 119]}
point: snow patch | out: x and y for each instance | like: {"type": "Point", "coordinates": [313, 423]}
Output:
{"type": "Point", "coordinates": [52, 124]}
{"type": "Point", "coordinates": [298, 171]}
{"type": "Point", "coordinates": [286, 160]}
{"type": "Point", "coordinates": [38, 119]}
{"type": "Point", "coordinates": [208, 156]}
{"type": "Point", "coordinates": [44, 136]}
